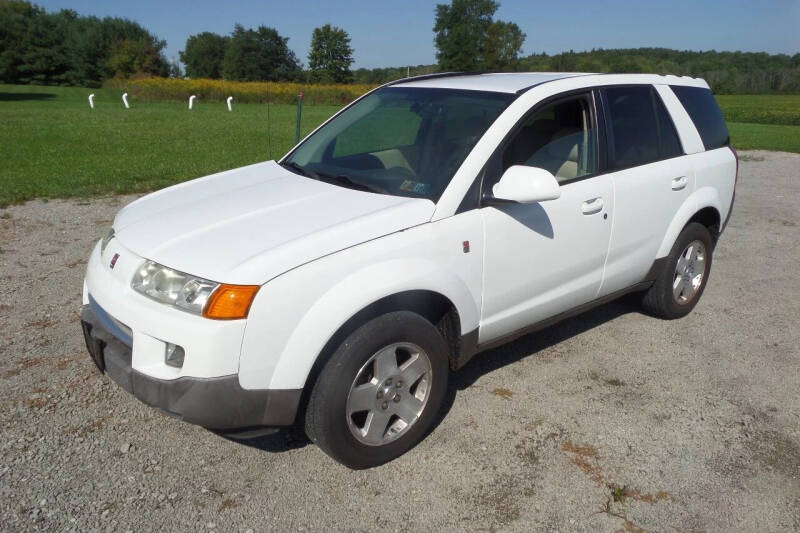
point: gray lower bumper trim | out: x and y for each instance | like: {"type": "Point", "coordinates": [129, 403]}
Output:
{"type": "Point", "coordinates": [216, 403]}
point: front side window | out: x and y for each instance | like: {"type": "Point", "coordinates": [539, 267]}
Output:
{"type": "Point", "coordinates": [400, 140]}
{"type": "Point", "coordinates": [560, 138]}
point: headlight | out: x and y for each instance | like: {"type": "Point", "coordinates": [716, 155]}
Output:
{"type": "Point", "coordinates": [190, 293]}
{"type": "Point", "coordinates": [172, 287]}
{"type": "Point", "coordinates": [106, 239]}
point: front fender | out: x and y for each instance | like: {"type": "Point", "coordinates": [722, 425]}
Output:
{"type": "Point", "coordinates": [295, 315]}
{"type": "Point", "coordinates": [355, 293]}
{"type": "Point", "coordinates": [700, 199]}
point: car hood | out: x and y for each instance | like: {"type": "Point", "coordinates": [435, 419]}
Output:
{"type": "Point", "coordinates": [253, 223]}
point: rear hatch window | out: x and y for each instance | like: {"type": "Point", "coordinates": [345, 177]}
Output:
{"type": "Point", "coordinates": [705, 113]}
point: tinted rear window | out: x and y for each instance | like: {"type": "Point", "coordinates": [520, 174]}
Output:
{"type": "Point", "coordinates": [705, 113]}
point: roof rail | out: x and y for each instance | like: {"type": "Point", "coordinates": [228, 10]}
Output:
{"type": "Point", "coordinates": [429, 77]}
{"type": "Point", "coordinates": [529, 87]}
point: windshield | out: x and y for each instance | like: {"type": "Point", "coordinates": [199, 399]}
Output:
{"type": "Point", "coordinates": [400, 141]}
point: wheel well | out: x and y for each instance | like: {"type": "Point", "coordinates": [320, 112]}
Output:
{"type": "Point", "coordinates": [433, 306]}
{"type": "Point", "coordinates": [709, 217]}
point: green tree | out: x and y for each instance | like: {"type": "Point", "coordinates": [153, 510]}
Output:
{"type": "Point", "coordinates": [16, 19]}
{"type": "Point", "coordinates": [503, 46]}
{"type": "Point", "coordinates": [204, 55]}
{"type": "Point", "coordinates": [66, 49]}
{"type": "Point", "coordinates": [137, 57]}
{"type": "Point", "coordinates": [461, 33]}
{"type": "Point", "coordinates": [330, 56]}
{"type": "Point", "coordinates": [259, 55]}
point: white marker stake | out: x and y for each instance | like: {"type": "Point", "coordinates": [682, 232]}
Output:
{"type": "Point", "coordinates": [230, 100]}
{"type": "Point", "coordinates": [91, 100]}
{"type": "Point", "coordinates": [191, 101]}
{"type": "Point", "coordinates": [125, 100]}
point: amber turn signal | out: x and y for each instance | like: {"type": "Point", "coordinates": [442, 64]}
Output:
{"type": "Point", "coordinates": [230, 302]}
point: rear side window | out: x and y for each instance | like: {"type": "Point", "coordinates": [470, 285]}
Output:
{"type": "Point", "coordinates": [633, 127]}
{"type": "Point", "coordinates": [705, 113]}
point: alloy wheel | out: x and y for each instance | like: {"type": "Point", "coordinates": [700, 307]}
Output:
{"type": "Point", "coordinates": [389, 393]}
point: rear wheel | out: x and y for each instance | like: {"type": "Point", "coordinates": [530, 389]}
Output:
{"type": "Point", "coordinates": [685, 275]}
{"type": "Point", "coordinates": [380, 392]}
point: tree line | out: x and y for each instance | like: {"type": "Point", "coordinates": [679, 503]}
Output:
{"type": "Point", "coordinates": [67, 49]}
{"type": "Point", "coordinates": [263, 54]}
{"type": "Point", "coordinates": [726, 72]}
{"type": "Point", "coordinates": [64, 48]}
{"type": "Point", "coordinates": [469, 39]}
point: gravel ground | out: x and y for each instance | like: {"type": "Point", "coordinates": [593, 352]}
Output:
{"type": "Point", "coordinates": [609, 421]}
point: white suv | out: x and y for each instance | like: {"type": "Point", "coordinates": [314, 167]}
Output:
{"type": "Point", "coordinates": [428, 220]}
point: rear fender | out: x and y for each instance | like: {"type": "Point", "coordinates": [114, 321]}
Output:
{"type": "Point", "coordinates": [700, 199]}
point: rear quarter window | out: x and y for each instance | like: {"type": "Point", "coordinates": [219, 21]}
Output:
{"type": "Point", "coordinates": [669, 144]}
{"type": "Point", "coordinates": [705, 113]}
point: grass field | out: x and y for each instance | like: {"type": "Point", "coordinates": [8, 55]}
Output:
{"type": "Point", "coordinates": [746, 136]}
{"type": "Point", "coordinates": [761, 108]}
{"type": "Point", "coordinates": [53, 145]}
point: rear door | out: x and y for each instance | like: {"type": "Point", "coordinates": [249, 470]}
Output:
{"type": "Point", "coordinates": [715, 168]}
{"type": "Point", "coordinates": [651, 177]}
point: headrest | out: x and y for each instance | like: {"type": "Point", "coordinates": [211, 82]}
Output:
{"type": "Point", "coordinates": [565, 140]}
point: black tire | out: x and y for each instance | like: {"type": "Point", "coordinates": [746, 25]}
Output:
{"type": "Point", "coordinates": [326, 418]}
{"type": "Point", "coordinates": [659, 300]}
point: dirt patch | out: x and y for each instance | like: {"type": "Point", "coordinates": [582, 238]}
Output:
{"type": "Point", "coordinates": [499, 501]}
{"type": "Point", "coordinates": [227, 503]}
{"type": "Point", "coordinates": [503, 393]}
{"type": "Point", "coordinates": [586, 457]}
{"type": "Point", "coordinates": [612, 382]}
{"type": "Point", "coordinates": [42, 323]}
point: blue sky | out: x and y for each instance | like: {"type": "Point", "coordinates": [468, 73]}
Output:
{"type": "Point", "coordinates": [397, 33]}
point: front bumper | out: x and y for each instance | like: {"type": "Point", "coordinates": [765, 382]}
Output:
{"type": "Point", "coordinates": [215, 403]}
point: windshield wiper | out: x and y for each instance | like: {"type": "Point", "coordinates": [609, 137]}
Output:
{"type": "Point", "coordinates": [340, 179]}
{"type": "Point", "coordinates": [346, 181]}
{"type": "Point", "coordinates": [301, 170]}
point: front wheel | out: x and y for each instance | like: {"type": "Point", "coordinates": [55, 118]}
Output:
{"type": "Point", "coordinates": [380, 392]}
{"type": "Point", "coordinates": [685, 275]}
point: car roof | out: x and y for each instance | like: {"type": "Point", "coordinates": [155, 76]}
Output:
{"type": "Point", "coordinates": [515, 82]}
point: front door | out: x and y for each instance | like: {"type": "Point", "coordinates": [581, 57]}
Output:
{"type": "Point", "coordinates": [545, 258]}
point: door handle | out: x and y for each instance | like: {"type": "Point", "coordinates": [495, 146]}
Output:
{"type": "Point", "coordinates": [679, 183]}
{"type": "Point", "coordinates": [590, 207]}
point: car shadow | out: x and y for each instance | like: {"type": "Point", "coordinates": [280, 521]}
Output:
{"type": "Point", "coordinates": [292, 438]}
{"type": "Point", "coordinates": [282, 440]}
{"type": "Point", "coordinates": [19, 97]}
{"type": "Point", "coordinates": [530, 345]}
{"type": "Point", "coordinates": [533, 216]}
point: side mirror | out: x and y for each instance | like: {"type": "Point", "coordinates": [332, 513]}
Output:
{"type": "Point", "coordinates": [526, 185]}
